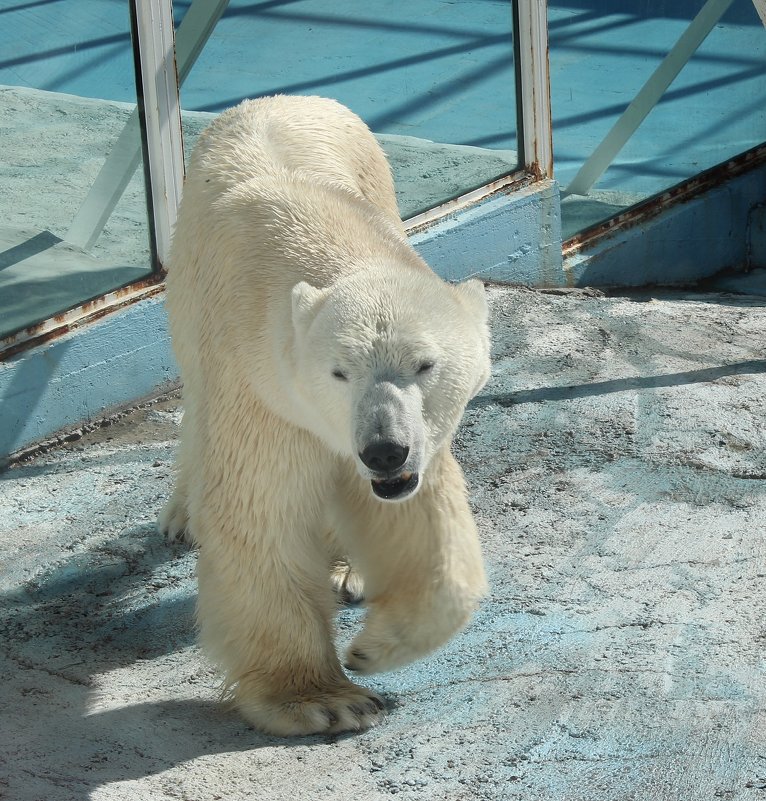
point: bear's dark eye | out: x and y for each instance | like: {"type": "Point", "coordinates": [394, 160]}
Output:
{"type": "Point", "coordinates": [425, 367]}
{"type": "Point", "coordinates": [340, 375]}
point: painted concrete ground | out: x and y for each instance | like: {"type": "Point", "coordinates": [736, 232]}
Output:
{"type": "Point", "coordinates": [617, 465]}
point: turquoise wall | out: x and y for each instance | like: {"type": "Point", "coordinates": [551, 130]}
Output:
{"type": "Point", "coordinates": [511, 238]}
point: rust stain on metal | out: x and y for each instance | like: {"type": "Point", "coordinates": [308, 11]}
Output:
{"type": "Point", "coordinates": [680, 193]}
{"type": "Point", "coordinates": [94, 309]}
{"type": "Point", "coordinates": [536, 170]}
{"type": "Point", "coordinates": [505, 185]}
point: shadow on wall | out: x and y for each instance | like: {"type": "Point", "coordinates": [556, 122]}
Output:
{"type": "Point", "coordinates": [738, 13]}
{"type": "Point", "coordinates": [21, 397]}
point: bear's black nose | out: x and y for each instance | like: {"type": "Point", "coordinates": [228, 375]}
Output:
{"type": "Point", "coordinates": [384, 457]}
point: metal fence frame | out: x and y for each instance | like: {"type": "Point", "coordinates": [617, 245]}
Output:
{"type": "Point", "coordinates": [163, 59]}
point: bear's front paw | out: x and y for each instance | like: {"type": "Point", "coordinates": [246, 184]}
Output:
{"type": "Point", "coordinates": [343, 709]}
{"type": "Point", "coordinates": [173, 521]}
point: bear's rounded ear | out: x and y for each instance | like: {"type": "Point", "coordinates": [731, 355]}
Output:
{"type": "Point", "coordinates": [306, 302]}
{"type": "Point", "coordinates": [474, 297]}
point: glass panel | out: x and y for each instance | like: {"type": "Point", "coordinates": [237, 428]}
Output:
{"type": "Point", "coordinates": [433, 80]}
{"type": "Point", "coordinates": [603, 52]}
{"type": "Point", "coordinates": [67, 94]}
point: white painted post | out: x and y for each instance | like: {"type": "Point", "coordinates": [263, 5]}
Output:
{"type": "Point", "coordinates": [159, 87]}
{"type": "Point", "coordinates": [760, 7]}
{"type": "Point", "coordinates": [534, 86]}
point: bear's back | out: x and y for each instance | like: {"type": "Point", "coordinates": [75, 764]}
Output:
{"type": "Point", "coordinates": [279, 190]}
{"type": "Point", "coordinates": [312, 137]}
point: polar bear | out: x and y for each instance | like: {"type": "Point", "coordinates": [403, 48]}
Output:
{"type": "Point", "coordinates": [325, 369]}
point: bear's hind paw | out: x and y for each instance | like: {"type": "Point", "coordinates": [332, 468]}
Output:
{"type": "Point", "coordinates": [347, 584]}
{"type": "Point", "coordinates": [173, 522]}
{"type": "Point", "coordinates": [368, 654]}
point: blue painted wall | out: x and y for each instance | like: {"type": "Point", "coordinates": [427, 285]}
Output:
{"type": "Point", "coordinates": [77, 378]}
{"type": "Point", "coordinates": [512, 237]}
{"type": "Point", "coordinates": [127, 355]}
{"type": "Point", "coordinates": [690, 241]}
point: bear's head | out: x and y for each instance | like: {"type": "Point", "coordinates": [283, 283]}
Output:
{"type": "Point", "coordinates": [388, 360]}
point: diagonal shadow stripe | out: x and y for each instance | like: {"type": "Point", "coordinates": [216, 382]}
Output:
{"type": "Point", "coordinates": [543, 394]}
{"type": "Point", "coordinates": [31, 247]}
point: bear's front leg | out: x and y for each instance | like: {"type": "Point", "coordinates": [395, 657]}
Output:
{"type": "Point", "coordinates": [265, 603]}
{"type": "Point", "coordinates": [268, 626]}
{"type": "Point", "coordinates": [173, 520]}
{"type": "Point", "coordinates": [421, 564]}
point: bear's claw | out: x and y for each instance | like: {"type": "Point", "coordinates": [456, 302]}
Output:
{"type": "Point", "coordinates": [352, 660]}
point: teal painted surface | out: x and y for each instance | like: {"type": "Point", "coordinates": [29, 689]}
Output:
{"type": "Point", "coordinates": [437, 70]}
{"type": "Point", "coordinates": [82, 375]}
{"type": "Point", "coordinates": [682, 245]}
{"type": "Point", "coordinates": [443, 71]}
{"type": "Point", "coordinates": [749, 283]}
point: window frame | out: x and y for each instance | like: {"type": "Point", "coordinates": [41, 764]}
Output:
{"type": "Point", "coordinates": [157, 82]}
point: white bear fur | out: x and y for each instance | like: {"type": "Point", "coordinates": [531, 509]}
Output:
{"type": "Point", "coordinates": [289, 263]}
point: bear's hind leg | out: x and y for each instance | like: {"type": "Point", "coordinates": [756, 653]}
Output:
{"type": "Point", "coordinates": [173, 520]}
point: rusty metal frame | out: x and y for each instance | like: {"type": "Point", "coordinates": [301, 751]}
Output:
{"type": "Point", "coordinates": [533, 91]}
{"type": "Point", "coordinates": [675, 195]}
{"type": "Point", "coordinates": [530, 41]}
{"type": "Point", "coordinates": [66, 321]}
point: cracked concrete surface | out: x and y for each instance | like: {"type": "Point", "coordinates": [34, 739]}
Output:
{"type": "Point", "coordinates": [617, 465]}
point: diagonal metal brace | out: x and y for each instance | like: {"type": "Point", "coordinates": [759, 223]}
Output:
{"type": "Point", "coordinates": [648, 97]}
{"type": "Point", "coordinates": [125, 156]}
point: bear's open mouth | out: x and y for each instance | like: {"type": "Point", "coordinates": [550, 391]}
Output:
{"type": "Point", "coordinates": [391, 488]}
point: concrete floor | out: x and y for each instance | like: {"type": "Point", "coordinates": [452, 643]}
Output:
{"type": "Point", "coordinates": [617, 466]}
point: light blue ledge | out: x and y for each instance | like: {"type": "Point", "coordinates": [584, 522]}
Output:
{"type": "Point", "coordinates": [719, 230]}
{"type": "Point", "coordinates": [509, 238]}
{"type": "Point", "coordinates": [126, 355]}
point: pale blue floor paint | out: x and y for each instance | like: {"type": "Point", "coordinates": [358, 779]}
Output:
{"type": "Point", "coordinates": [440, 71]}
{"type": "Point", "coordinates": [613, 463]}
